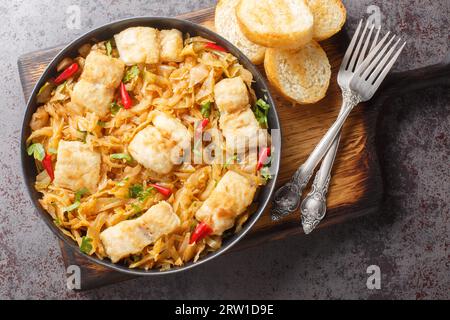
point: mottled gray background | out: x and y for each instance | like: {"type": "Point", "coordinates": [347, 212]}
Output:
{"type": "Point", "coordinates": [408, 238]}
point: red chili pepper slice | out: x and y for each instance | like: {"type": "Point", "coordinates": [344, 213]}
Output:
{"type": "Point", "coordinates": [67, 73]}
{"type": "Point", "coordinates": [201, 231]}
{"type": "Point", "coordinates": [204, 123]}
{"type": "Point", "coordinates": [126, 100]}
{"type": "Point", "coordinates": [47, 164]}
{"type": "Point", "coordinates": [201, 127]}
{"type": "Point", "coordinates": [263, 156]}
{"type": "Point", "coordinates": [163, 190]}
{"type": "Point", "coordinates": [213, 46]}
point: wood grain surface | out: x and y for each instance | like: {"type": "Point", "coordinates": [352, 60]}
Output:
{"type": "Point", "coordinates": [355, 188]}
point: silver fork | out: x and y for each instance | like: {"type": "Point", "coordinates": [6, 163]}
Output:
{"type": "Point", "coordinates": [314, 206]}
{"type": "Point", "coordinates": [361, 87]}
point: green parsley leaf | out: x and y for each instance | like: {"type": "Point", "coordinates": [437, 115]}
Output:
{"type": "Point", "coordinates": [86, 246]}
{"type": "Point", "coordinates": [206, 109]}
{"type": "Point", "coordinates": [57, 221]}
{"type": "Point", "coordinates": [120, 156]}
{"type": "Point", "coordinates": [137, 209]}
{"type": "Point", "coordinates": [261, 110]}
{"type": "Point", "coordinates": [265, 173]}
{"type": "Point", "coordinates": [108, 48]}
{"type": "Point", "coordinates": [131, 74]}
{"type": "Point", "coordinates": [262, 104]}
{"type": "Point", "coordinates": [43, 87]}
{"type": "Point", "coordinates": [146, 193]}
{"type": "Point", "coordinates": [37, 150]}
{"type": "Point", "coordinates": [80, 193]}
{"type": "Point", "coordinates": [135, 190]}
{"type": "Point", "coordinates": [101, 123]}
{"type": "Point", "coordinates": [115, 107]}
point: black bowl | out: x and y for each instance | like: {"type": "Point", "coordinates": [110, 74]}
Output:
{"type": "Point", "coordinates": [106, 32]}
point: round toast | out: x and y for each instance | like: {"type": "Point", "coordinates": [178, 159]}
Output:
{"type": "Point", "coordinates": [329, 17]}
{"type": "Point", "coordinates": [226, 25]}
{"type": "Point", "coordinates": [301, 76]}
{"type": "Point", "coordinates": [282, 24]}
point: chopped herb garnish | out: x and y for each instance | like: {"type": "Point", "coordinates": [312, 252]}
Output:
{"type": "Point", "coordinates": [136, 208]}
{"type": "Point", "coordinates": [120, 156]}
{"type": "Point", "coordinates": [86, 246]}
{"type": "Point", "coordinates": [43, 87]}
{"type": "Point", "coordinates": [80, 193]}
{"type": "Point", "coordinates": [206, 109]}
{"type": "Point", "coordinates": [146, 193]}
{"type": "Point", "coordinates": [135, 257]}
{"type": "Point", "coordinates": [115, 107]}
{"type": "Point", "coordinates": [57, 221]}
{"type": "Point", "coordinates": [135, 190]}
{"type": "Point", "coordinates": [108, 48]}
{"type": "Point", "coordinates": [131, 74]}
{"type": "Point", "coordinates": [37, 150]}
{"type": "Point", "coordinates": [101, 123]}
{"type": "Point", "coordinates": [230, 161]}
{"type": "Point", "coordinates": [261, 110]}
{"type": "Point", "coordinates": [265, 173]}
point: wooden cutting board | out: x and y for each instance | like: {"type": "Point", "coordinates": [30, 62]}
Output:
{"type": "Point", "coordinates": [356, 184]}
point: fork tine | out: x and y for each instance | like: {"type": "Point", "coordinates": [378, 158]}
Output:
{"type": "Point", "coordinates": [376, 59]}
{"type": "Point", "coordinates": [349, 51]}
{"type": "Point", "coordinates": [362, 55]}
{"type": "Point", "coordinates": [371, 55]}
{"type": "Point", "coordinates": [376, 39]}
{"type": "Point", "coordinates": [387, 68]}
{"type": "Point", "coordinates": [382, 63]}
{"type": "Point", "coordinates": [356, 53]}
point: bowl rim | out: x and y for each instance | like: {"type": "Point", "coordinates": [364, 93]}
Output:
{"type": "Point", "coordinates": [147, 21]}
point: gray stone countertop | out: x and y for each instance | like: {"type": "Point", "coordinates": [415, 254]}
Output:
{"type": "Point", "coordinates": [408, 238]}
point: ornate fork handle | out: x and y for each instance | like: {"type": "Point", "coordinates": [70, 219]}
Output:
{"type": "Point", "coordinates": [287, 197]}
{"type": "Point", "coordinates": [314, 206]}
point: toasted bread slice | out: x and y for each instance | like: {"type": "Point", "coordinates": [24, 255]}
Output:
{"type": "Point", "coordinates": [226, 25]}
{"type": "Point", "coordinates": [282, 24]}
{"type": "Point", "coordinates": [329, 17]}
{"type": "Point", "coordinates": [302, 76]}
